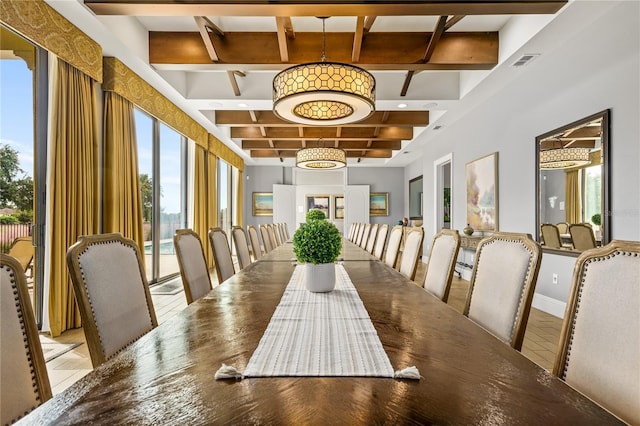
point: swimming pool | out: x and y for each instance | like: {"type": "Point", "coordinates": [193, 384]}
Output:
{"type": "Point", "coordinates": [166, 247]}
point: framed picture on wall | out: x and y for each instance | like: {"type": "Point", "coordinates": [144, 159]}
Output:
{"type": "Point", "coordinates": [379, 204]}
{"type": "Point", "coordinates": [263, 203]}
{"type": "Point", "coordinates": [338, 207]}
{"type": "Point", "coordinates": [482, 193]}
{"type": "Point", "coordinates": [319, 202]}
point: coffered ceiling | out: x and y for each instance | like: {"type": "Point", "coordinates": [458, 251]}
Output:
{"type": "Point", "coordinates": [221, 56]}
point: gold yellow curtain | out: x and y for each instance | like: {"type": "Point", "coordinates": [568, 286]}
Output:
{"type": "Point", "coordinates": [74, 184]}
{"type": "Point", "coordinates": [122, 200]}
{"type": "Point", "coordinates": [239, 201]}
{"type": "Point", "coordinates": [201, 221]}
{"type": "Point", "coordinates": [573, 212]}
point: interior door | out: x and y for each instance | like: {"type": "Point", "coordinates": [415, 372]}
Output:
{"type": "Point", "coordinates": [356, 205]}
{"type": "Point", "coordinates": [284, 206]}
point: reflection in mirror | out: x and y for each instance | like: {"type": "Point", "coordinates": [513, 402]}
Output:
{"type": "Point", "coordinates": [572, 185]}
{"type": "Point", "coordinates": [415, 198]}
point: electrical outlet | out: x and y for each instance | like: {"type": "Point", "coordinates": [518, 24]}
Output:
{"type": "Point", "coordinates": [554, 278]}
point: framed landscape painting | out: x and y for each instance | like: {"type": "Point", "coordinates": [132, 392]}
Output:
{"type": "Point", "coordinates": [482, 193]}
{"type": "Point", "coordinates": [338, 207]}
{"type": "Point", "coordinates": [319, 202]}
{"type": "Point", "coordinates": [379, 204]}
{"type": "Point", "coordinates": [263, 203]}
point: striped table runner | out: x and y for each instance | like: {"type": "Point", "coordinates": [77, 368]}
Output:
{"type": "Point", "coordinates": [320, 334]}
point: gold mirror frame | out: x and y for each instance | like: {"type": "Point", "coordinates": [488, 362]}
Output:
{"type": "Point", "coordinates": [605, 227]}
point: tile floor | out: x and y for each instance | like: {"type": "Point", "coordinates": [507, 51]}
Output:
{"type": "Point", "coordinates": [540, 342]}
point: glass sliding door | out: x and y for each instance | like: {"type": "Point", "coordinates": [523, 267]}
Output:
{"type": "Point", "coordinates": [145, 136]}
{"type": "Point", "coordinates": [225, 199]}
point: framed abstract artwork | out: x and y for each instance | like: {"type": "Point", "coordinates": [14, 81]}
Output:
{"type": "Point", "coordinates": [263, 203]}
{"type": "Point", "coordinates": [338, 207]}
{"type": "Point", "coordinates": [379, 204]}
{"type": "Point", "coordinates": [319, 202]}
{"type": "Point", "coordinates": [482, 193]}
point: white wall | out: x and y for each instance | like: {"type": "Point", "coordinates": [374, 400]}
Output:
{"type": "Point", "coordinates": [593, 69]}
{"type": "Point", "coordinates": [383, 179]}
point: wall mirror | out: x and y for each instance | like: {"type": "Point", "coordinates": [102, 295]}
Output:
{"type": "Point", "coordinates": [415, 198]}
{"type": "Point", "coordinates": [572, 186]}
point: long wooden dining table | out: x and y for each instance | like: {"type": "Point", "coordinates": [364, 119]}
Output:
{"type": "Point", "coordinates": [467, 375]}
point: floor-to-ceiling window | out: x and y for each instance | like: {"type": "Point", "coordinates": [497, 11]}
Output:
{"type": "Point", "coordinates": [23, 114]}
{"type": "Point", "coordinates": [162, 168]}
{"type": "Point", "coordinates": [225, 196]}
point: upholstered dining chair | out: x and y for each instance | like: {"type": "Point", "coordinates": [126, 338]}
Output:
{"type": "Point", "coordinates": [393, 248]}
{"type": "Point", "coordinates": [352, 228]}
{"type": "Point", "coordinates": [266, 240]}
{"type": "Point", "coordinates": [582, 236]}
{"type": "Point", "coordinates": [563, 227]}
{"type": "Point", "coordinates": [381, 240]}
{"type": "Point", "coordinates": [276, 234]}
{"type": "Point", "coordinates": [356, 231]}
{"type": "Point", "coordinates": [272, 236]}
{"type": "Point", "coordinates": [502, 285]}
{"type": "Point", "coordinates": [255, 242]}
{"type": "Point", "coordinates": [360, 235]}
{"type": "Point", "coordinates": [242, 246]}
{"type": "Point", "coordinates": [23, 372]}
{"type": "Point", "coordinates": [192, 263]}
{"type": "Point", "coordinates": [285, 227]}
{"type": "Point", "coordinates": [599, 349]}
{"type": "Point", "coordinates": [411, 253]}
{"type": "Point", "coordinates": [442, 263]}
{"type": "Point", "coordinates": [283, 237]}
{"type": "Point", "coordinates": [365, 236]}
{"type": "Point", "coordinates": [551, 235]}
{"type": "Point", "coordinates": [23, 250]}
{"type": "Point", "coordinates": [112, 292]}
{"type": "Point", "coordinates": [221, 254]}
{"type": "Point", "coordinates": [371, 241]}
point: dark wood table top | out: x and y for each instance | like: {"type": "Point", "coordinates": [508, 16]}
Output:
{"type": "Point", "coordinates": [468, 376]}
{"type": "Point", "coordinates": [349, 252]}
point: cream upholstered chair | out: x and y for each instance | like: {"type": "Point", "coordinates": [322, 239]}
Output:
{"type": "Point", "coordinates": [23, 250]}
{"type": "Point", "coordinates": [563, 227]}
{"type": "Point", "coordinates": [582, 236]}
{"type": "Point", "coordinates": [272, 236]}
{"type": "Point", "coordinates": [411, 253]}
{"type": "Point", "coordinates": [255, 242]}
{"type": "Point", "coordinates": [352, 229]}
{"type": "Point", "coordinates": [24, 382]}
{"type": "Point", "coordinates": [242, 246]}
{"type": "Point", "coordinates": [283, 237]}
{"type": "Point", "coordinates": [365, 236]}
{"type": "Point", "coordinates": [393, 248]}
{"type": "Point", "coordinates": [502, 285]}
{"type": "Point", "coordinates": [551, 235]}
{"type": "Point", "coordinates": [266, 240]}
{"type": "Point", "coordinates": [221, 254]}
{"type": "Point", "coordinates": [276, 234]}
{"type": "Point", "coordinates": [371, 241]}
{"type": "Point", "coordinates": [192, 263]}
{"type": "Point", "coordinates": [442, 263]}
{"type": "Point", "coordinates": [285, 227]}
{"type": "Point", "coordinates": [360, 235]}
{"type": "Point", "coordinates": [356, 231]}
{"type": "Point", "coordinates": [112, 292]}
{"type": "Point", "coordinates": [381, 240]}
{"type": "Point", "coordinates": [599, 349]}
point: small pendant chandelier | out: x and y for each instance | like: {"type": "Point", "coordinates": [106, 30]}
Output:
{"type": "Point", "coordinates": [564, 158]}
{"type": "Point", "coordinates": [324, 93]}
{"type": "Point", "coordinates": [321, 158]}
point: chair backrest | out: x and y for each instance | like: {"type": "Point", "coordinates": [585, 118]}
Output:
{"type": "Point", "coordinates": [242, 247]}
{"type": "Point", "coordinates": [276, 234]}
{"type": "Point", "coordinates": [266, 240]}
{"type": "Point", "coordinates": [272, 236]}
{"type": "Point", "coordinates": [192, 263]}
{"type": "Point", "coordinates": [221, 254]}
{"type": "Point", "coordinates": [411, 253]}
{"type": "Point", "coordinates": [582, 236]}
{"type": "Point", "coordinates": [22, 249]}
{"type": "Point", "coordinates": [502, 285]}
{"type": "Point", "coordinates": [351, 228]}
{"type": "Point", "coordinates": [23, 375]}
{"type": "Point", "coordinates": [393, 248]}
{"type": "Point", "coordinates": [442, 263]}
{"type": "Point", "coordinates": [551, 235]}
{"type": "Point", "coordinates": [563, 227]}
{"type": "Point", "coordinates": [365, 236]}
{"type": "Point", "coordinates": [255, 242]}
{"type": "Point", "coordinates": [599, 348]}
{"type": "Point", "coordinates": [381, 240]}
{"type": "Point", "coordinates": [372, 238]}
{"type": "Point", "coordinates": [360, 235]}
{"type": "Point", "coordinates": [356, 230]}
{"type": "Point", "coordinates": [112, 292]}
{"type": "Point", "coordinates": [285, 228]}
{"type": "Point", "coordinates": [283, 237]}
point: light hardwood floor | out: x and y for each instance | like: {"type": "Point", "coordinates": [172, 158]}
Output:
{"type": "Point", "coordinates": [540, 341]}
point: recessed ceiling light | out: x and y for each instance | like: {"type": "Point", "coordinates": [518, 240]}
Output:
{"type": "Point", "coordinates": [216, 105]}
{"type": "Point", "coordinates": [402, 105]}
{"type": "Point", "coordinates": [243, 105]}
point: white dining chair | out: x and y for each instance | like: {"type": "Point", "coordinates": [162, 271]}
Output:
{"type": "Point", "coordinates": [393, 248]}
{"type": "Point", "coordinates": [242, 246]}
{"type": "Point", "coordinates": [255, 242]}
{"type": "Point", "coordinates": [411, 253]}
{"type": "Point", "coordinates": [221, 254]}
{"type": "Point", "coordinates": [381, 240]}
{"type": "Point", "coordinates": [192, 263]}
{"type": "Point", "coordinates": [442, 263]}
{"type": "Point", "coordinates": [373, 233]}
{"type": "Point", "coordinates": [266, 240]}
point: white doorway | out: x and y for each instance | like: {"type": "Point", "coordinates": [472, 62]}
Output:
{"type": "Point", "coordinates": [442, 192]}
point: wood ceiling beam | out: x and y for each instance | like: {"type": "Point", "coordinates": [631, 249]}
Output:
{"type": "Point", "coordinates": [328, 8]}
{"type": "Point", "coordinates": [435, 38]}
{"type": "Point", "coordinates": [201, 22]}
{"type": "Point", "coordinates": [407, 82]}
{"type": "Point", "coordinates": [285, 145]}
{"type": "Point", "coordinates": [267, 118]}
{"type": "Point", "coordinates": [261, 50]}
{"type": "Point", "coordinates": [269, 153]}
{"type": "Point", "coordinates": [327, 133]}
{"type": "Point", "coordinates": [368, 23]}
{"type": "Point", "coordinates": [234, 83]}
{"type": "Point", "coordinates": [282, 38]}
{"type": "Point", "coordinates": [452, 21]}
{"type": "Point", "coordinates": [357, 39]}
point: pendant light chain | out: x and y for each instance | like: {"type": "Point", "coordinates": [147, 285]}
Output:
{"type": "Point", "coordinates": [323, 58]}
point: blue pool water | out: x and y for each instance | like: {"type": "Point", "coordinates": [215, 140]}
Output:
{"type": "Point", "coordinates": [166, 247]}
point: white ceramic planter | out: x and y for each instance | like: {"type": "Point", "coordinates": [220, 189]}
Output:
{"type": "Point", "coordinates": [320, 278]}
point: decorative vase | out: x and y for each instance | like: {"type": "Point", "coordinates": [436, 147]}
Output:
{"type": "Point", "coordinates": [468, 230]}
{"type": "Point", "coordinates": [320, 278]}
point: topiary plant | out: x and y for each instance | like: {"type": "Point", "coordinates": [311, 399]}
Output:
{"type": "Point", "coordinates": [315, 214]}
{"type": "Point", "coordinates": [317, 241]}
{"type": "Point", "coordinates": [596, 219]}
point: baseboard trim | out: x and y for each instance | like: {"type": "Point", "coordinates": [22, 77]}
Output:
{"type": "Point", "coordinates": [549, 305]}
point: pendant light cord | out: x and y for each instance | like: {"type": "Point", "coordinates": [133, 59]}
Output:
{"type": "Point", "coordinates": [324, 57]}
